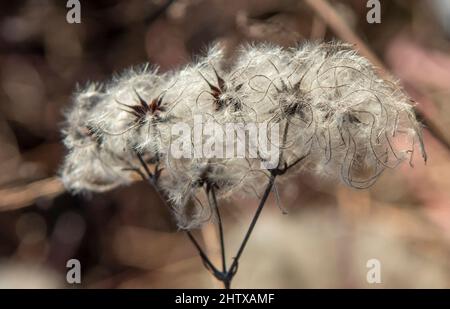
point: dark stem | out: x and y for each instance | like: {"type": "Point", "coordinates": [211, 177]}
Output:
{"type": "Point", "coordinates": [227, 284]}
{"type": "Point", "coordinates": [206, 261]}
{"type": "Point", "coordinates": [145, 166]}
{"type": "Point", "coordinates": [212, 192]}
{"type": "Point", "coordinates": [233, 268]}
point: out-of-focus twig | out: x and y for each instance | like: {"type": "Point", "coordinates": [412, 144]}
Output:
{"type": "Point", "coordinates": [157, 13]}
{"type": "Point", "coordinates": [318, 28]}
{"type": "Point", "coordinates": [23, 196]}
{"type": "Point", "coordinates": [329, 15]}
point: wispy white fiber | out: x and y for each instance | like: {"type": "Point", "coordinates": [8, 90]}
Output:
{"type": "Point", "coordinates": [333, 110]}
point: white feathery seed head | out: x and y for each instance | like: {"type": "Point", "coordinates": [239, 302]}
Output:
{"type": "Point", "coordinates": [336, 117]}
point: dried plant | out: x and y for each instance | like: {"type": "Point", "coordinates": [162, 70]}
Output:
{"type": "Point", "coordinates": [336, 118]}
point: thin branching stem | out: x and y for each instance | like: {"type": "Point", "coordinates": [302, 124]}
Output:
{"type": "Point", "coordinates": [206, 261]}
{"type": "Point", "coordinates": [233, 268]}
{"type": "Point", "coordinates": [213, 203]}
{"type": "Point", "coordinates": [145, 166]}
{"type": "Point", "coordinates": [151, 179]}
{"type": "Point", "coordinates": [226, 275]}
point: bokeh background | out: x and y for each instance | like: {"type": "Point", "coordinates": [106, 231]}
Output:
{"type": "Point", "coordinates": [126, 238]}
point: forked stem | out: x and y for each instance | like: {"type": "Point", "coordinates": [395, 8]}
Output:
{"type": "Point", "coordinates": [226, 275]}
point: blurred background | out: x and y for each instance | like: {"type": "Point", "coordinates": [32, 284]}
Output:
{"type": "Point", "coordinates": [126, 238]}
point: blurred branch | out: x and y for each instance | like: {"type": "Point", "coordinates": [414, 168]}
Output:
{"type": "Point", "coordinates": [160, 11]}
{"type": "Point", "coordinates": [26, 195]}
{"type": "Point", "coordinates": [335, 21]}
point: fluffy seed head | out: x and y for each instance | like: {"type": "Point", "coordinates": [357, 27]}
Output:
{"type": "Point", "coordinates": [336, 118]}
